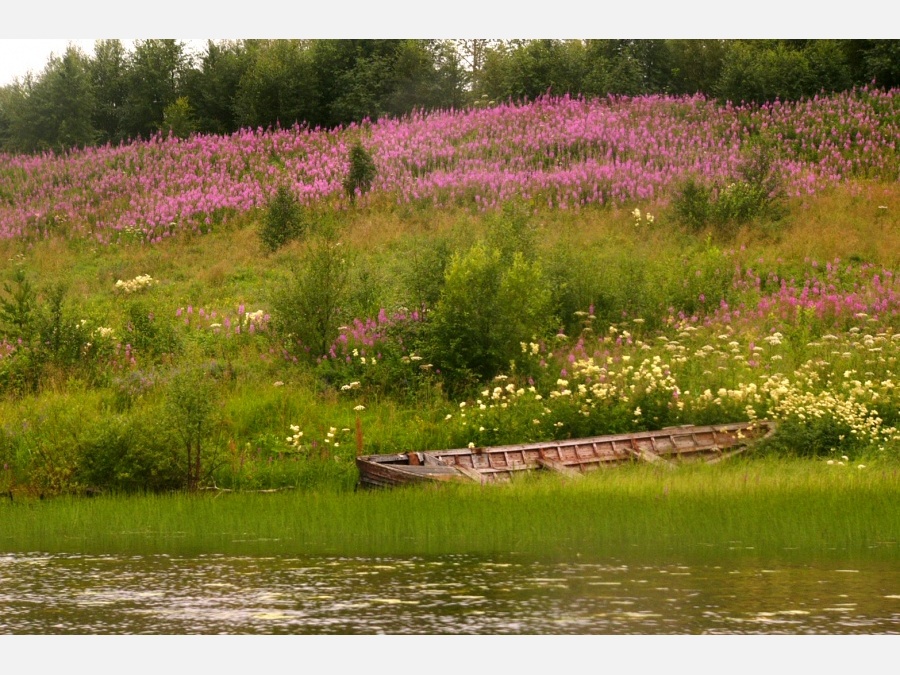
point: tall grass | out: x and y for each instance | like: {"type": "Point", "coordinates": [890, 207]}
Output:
{"type": "Point", "coordinates": [767, 509]}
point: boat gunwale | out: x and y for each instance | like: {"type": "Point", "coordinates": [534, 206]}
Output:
{"type": "Point", "coordinates": [684, 430]}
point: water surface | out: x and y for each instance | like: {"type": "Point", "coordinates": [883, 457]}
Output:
{"type": "Point", "coordinates": [460, 594]}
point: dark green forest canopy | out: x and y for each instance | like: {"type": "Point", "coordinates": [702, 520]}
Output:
{"type": "Point", "coordinates": [115, 95]}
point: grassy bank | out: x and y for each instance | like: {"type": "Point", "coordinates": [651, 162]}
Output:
{"type": "Point", "coordinates": [198, 336]}
{"type": "Point", "coordinates": [793, 320]}
{"type": "Point", "coordinates": [761, 508]}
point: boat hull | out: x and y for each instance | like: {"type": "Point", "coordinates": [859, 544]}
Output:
{"type": "Point", "coordinates": [571, 457]}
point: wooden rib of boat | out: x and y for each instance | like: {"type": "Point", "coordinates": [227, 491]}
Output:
{"type": "Point", "coordinates": [571, 457]}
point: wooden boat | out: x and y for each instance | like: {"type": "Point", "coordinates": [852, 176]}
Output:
{"type": "Point", "coordinates": [571, 457]}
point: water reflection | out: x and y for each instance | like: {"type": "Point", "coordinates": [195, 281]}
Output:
{"type": "Point", "coordinates": [60, 594]}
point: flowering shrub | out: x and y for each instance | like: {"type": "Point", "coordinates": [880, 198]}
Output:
{"type": "Point", "coordinates": [139, 283]}
{"type": "Point", "coordinates": [378, 354]}
{"type": "Point", "coordinates": [647, 218]}
{"type": "Point", "coordinates": [222, 323]}
{"type": "Point", "coordinates": [601, 385]}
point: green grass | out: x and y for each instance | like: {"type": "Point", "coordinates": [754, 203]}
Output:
{"type": "Point", "coordinates": [757, 507]}
{"type": "Point", "coordinates": [595, 257]}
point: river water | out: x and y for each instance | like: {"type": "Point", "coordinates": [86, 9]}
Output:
{"type": "Point", "coordinates": [460, 594]}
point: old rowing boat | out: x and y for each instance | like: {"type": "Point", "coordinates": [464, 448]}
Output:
{"type": "Point", "coordinates": [571, 457]}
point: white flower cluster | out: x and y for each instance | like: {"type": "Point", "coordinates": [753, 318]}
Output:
{"type": "Point", "coordinates": [295, 440]}
{"type": "Point", "coordinates": [636, 214]}
{"type": "Point", "coordinates": [139, 283]}
{"type": "Point", "coordinates": [256, 318]}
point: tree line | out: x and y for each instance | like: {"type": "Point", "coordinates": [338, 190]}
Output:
{"type": "Point", "coordinates": [117, 95]}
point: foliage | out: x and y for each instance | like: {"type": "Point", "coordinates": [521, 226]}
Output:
{"type": "Point", "coordinates": [380, 356]}
{"type": "Point", "coordinates": [130, 453]}
{"type": "Point", "coordinates": [424, 267]}
{"type": "Point", "coordinates": [271, 82]}
{"type": "Point", "coordinates": [109, 72]}
{"type": "Point", "coordinates": [178, 118]}
{"type": "Point", "coordinates": [512, 230]}
{"type": "Point", "coordinates": [361, 173]}
{"type": "Point", "coordinates": [488, 307]}
{"type": "Point", "coordinates": [155, 70]}
{"type": "Point", "coordinates": [692, 204]}
{"type": "Point", "coordinates": [307, 307]}
{"type": "Point", "coordinates": [19, 309]}
{"type": "Point", "coordinates": [148, 333]}
{"type": "Point", "coordinates": [283, 221]}
{"type": "Point", "coordinates": [190, 410]}
{"type": "Point", "coordinates": [757, 193]}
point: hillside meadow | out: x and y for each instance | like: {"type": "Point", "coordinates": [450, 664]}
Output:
{"type": "Point", "coordinates": [249, 312]}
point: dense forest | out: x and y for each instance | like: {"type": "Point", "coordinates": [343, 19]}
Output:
{"type": "Point", "coordinates": [115, 95]}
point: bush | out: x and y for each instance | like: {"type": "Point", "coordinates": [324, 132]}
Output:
{"type": "Point", "coordinates": [362, 172]}
{"type": "Point", "coordinates": [19, 309]}
{"type": "Point", "coordinates": [488, 308]}
{"type": "Point", "coordinates": [131, 453]}
{"type": "Point", "coordinates": [692, 204]}
{"type": "Point", "coordinates": [307, 309]}
{"type": "Point", "coordinates": [149, 334]}
{"type": "Point", "coordinates": [190, 407]}
{"type": "Point", "coordinates": [284, 220]}
{"type": "Point", "coordinates": [512, 231]}
{"type": "Point", "coordinates": [756, 193]}
{"type": "Point", "coordinates": [379, 355]}
{"type": "Point", "coordinates": [424, 269]}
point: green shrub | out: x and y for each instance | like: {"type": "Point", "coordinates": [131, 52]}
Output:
{"type": "Point", "coordinates": [179, 119]}
{"type": "Point", "coordinates": [424, 269]}
{"type": "Point", "coordinates": [21, 371]}
{"type": "Point", "coordinates": [284, 220]}
{"type": "Point", "coordinates": [131, 387]}
{"type": "Point", "coordinates": [512, 231]}
{"type": "Point", "coordinates": [190, 411]}
{"type": "Point", "coordinates": [148, 333]}
{"type": "Point", "coordinates": [308, 308]}
{"type": "Point", "coordinates": [692, 204]}
{"type": "Point", "coordinates": [67, 341]}
{"type": "Point", "coordinates": [19, 309]}
{"type": "Point", "coordinates": [361, 173]}
{"type": "Point", "coordinates": [131, 453]}
{"type": "Point", "coordinates": [487, 309]}
{"type": "Point", "coordinates": [46, 445]}
{"type": "Point", "coordinates": [756, 193]}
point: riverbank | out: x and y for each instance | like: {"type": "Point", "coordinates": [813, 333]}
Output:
{"type": "Point", "coordinates": [746, 507]}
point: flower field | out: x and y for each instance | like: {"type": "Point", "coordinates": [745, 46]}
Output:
{"type": "Point", "coordinates": [515, 273]}
{"type": "Point", "coordinates": [559, 153]}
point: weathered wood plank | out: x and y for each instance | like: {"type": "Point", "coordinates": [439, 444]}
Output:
{"type": "Point", "coordinates": [477, 476]}
{"type": "Point", "coordinates": [646, 455]}
{"type": "Point", "coordinates": [726, 455]}
{"type": "Point", "coordinates": [559, 468]}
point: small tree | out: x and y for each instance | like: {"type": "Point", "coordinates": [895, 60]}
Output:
{"type": "Point", "coordinates": [307, 308]}
{"type": "Point", "coordinates": [190, 406]}
{"type": "Point", "coordinates": [362, 172]}
{"type": "Point", "coordinates": [18, 311]}
{"type": "Point", "coordinates": [283, 220]}
{"type": "Point", "coordinates": [178, 118]}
